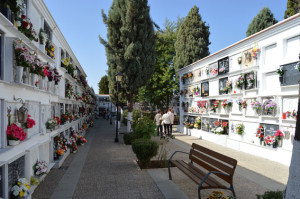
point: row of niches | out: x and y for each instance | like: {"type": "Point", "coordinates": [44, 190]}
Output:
{"type": "Point", "coordinates": [246, 59]}
{"type": "Point", "coordinates": [263, 134]}
{"type": "Point", "coordinates": [26, 119]}
{"type": "Point", "coordinates": [252, 107]}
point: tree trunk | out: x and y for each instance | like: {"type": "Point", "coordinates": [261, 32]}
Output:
{"type": "Point", "coordinates": [292, 188]}
{"type": "Point", "coordinates": [129, 114]}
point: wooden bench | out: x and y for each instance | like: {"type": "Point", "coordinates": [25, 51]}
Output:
{"type": "Point", "coordinates": [203, 163]}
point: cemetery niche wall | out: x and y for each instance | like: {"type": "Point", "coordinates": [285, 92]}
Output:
{"type": "Point", "coordinates": [241, 89]}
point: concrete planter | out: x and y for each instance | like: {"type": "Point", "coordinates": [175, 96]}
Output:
{"type": "Point", "coordinates": [13, 142]}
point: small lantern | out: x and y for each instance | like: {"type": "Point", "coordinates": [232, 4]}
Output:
{"type": "Point", "coordinates": [22, 114]}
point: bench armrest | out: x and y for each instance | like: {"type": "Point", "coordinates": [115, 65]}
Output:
{"type": "Point", "coordinates": [175, 153]}
{"type": "Point", "coordinates": [206, 176]}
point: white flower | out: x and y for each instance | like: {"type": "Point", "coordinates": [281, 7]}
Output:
{"type": "Point", "coordinates": [18, 23]}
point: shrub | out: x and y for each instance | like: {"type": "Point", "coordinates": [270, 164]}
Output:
{"type": "Point", "coordinates": [144, 127]}
{"type": "Point", "coordinates": [136, 115]}
{"type": "Point", "coordinates": [144, 150]}
{"type": "Point", "coordinates": [271, 195]}
{"type": "Point", "coordinates": [128, 137]}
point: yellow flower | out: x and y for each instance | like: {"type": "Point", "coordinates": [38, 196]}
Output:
{"type": "Point", "coordinates": [19, 183]}
{"type": "Point", "coordinates": [28, 187]}
{"type": "Point", "coordinates": [21, 193]}
{"type": "Point", "coordinates": [52, 49]}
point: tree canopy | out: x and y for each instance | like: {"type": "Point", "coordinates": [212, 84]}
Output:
{"type": "Point", "coordinates": [130, 46]}
{"type": "Point", "coordinates": [103, 85]}
{"type": "Point", "coordinates": [262, 20]}
{"type": "Point", "coordinates": [192, 40]}
{"type": "Point", "coordinates": [291, 8]}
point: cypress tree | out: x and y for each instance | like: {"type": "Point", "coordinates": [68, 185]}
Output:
{"type": "Point", "coordinates": [291, 8]}
{"type": "Point", "coordinates": [192, 40]}
{"type": "Point", "coordinates": [130, 46]}
{"type": "Point", "coordinates": [262, 20]}
{"type": "Point", "coordinates": [103, 85]}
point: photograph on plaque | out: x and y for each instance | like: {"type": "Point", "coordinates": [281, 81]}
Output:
{"type": "Point", "coordinates": [223, 66]}
{"type": "Point", "coordinates": [290, 74]}
{"type": "Point", "coordinates": [204, 89]}
{"type": "Point", "coordinates": [250, 80]}
{"type": "Point", "coordinates": [213, 69]}
{"type": "Point", "coordinates": [222, 86]}
{"type": "Point", "coordinates": [247, 59]}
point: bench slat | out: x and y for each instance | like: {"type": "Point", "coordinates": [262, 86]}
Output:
{"type": "Point", "coordinates": [217, 155]}
{"type": "Point", "coordinates": [210, 168]}
{"type": "Point", "coordinates": [199, 175]}
{"type": "Point", "coordinates": [214, 162]}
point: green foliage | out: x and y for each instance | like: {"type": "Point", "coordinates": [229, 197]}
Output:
{"type": "Point", "coordinates": [34, 181]}
{"type": "Point", "coordinates": [271, 195]}
{"type": "Point", "coordinates": [160, 88]}
{"type": "Point", "coordinates": [136, 115]}
{"type": "Point", "coordinates": [144, 127]}
{"type": "Point", "coordinates": [192, 40]}
{"type": "Point", "coordinates": [144, 149]}
{"type": "Point", "coordinates": [103, 85]}
{"type": "Point", "coordinates": [130, 46]}
{"type": "Point", "coordinates": [128, 137]}
{"type": "Point", "coordinates": [291, 8]}
{"type": "Point", "coordinates": [262, 20]}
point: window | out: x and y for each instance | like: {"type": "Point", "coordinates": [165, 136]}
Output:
{"type": "Point", "coordinates": [223, 66]}
{"type": "Point", "coordinates": [204, 89]}
{"type": "Point", "coordinates": [293, 48]}
{"type": "Point", "coordinates": [222, 86]}
{"type": "Point", "coordinates": [48, 30]}
{"type": "Point", "coordinates": [271, 55]}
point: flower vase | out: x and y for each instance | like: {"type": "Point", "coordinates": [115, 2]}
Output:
{"type": "Point", "coordinates": [279, 143]}
{"type": "Point", "coordinates": [262, 143]}
{"type": "Point", "coordinates": [281, 79]}
{"type": "Point", "coordinates": [13, 142]}
{"type": "Point", "coordinates": [275, 144]}
{"type": "Point", "coordinates": [34, 79]}
{"type": "Point", "coordinates": [20, 70]}
{"type": "Point", "coordinates": [42, 83]}
{"type": "Point", "coordinates": [56, 89]}
{"type": "Point", "coordinates": [49, 86]}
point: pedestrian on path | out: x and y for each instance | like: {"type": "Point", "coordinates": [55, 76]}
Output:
{"type": "Point", "coordinates": [171, 116]}
{"type": "Point", "coordinates": [166, 121]}
{"type": "Point", "coordinates": [158, 120]}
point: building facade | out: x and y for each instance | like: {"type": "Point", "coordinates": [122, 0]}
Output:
{"type": "Point", "coordinates": [46, 104]}
{"type": "Point", "coordinates": [238, 98]}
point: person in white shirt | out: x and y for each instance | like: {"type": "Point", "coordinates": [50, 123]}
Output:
{"type": "Point", "coordinates": [171, 116]}
{"type": "Point", "coordinates": [166, 121]}
{"type": "Point", "coordinates": [157, 120]}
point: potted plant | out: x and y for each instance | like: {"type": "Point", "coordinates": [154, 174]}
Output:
{"type": "Point", "coordinates": [227, 103]}
{"type": "Point", "coordinates": [40, 168]}
{"type": "Point", "coordinates": [256, 105]}
{"type": "Point", "coordinates": [280, 72]}
{"type": "Point", "coordinates": [51, 124]}
{"type": "Point", "coordinates": [29, 123]}
{"type": "Point", "coordinates": [21, 188]}
{"type": "Point", "coordinates": [15, 134]}
{"type": "Point", "coordinates": [270, 107]}
{"type": "Point", "coordinates": [240, 129]}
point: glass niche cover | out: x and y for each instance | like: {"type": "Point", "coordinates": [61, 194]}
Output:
{"type": "Point", "coordinates": [223, 65]}
{"type": "Point", "coordinates": [204, 89]}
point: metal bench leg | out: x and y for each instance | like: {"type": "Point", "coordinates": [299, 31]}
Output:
{"type": "Point", "coordinates": [170, 176]}
{"type": "Point", "coordinates": [199, 194]}
{"type": "Point", "coordinates": [232, 190]}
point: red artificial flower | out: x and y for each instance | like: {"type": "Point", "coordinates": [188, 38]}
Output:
{"type": "Point", "coordinates": [23, 16]}
{"type": "Point", "coordinates": [15, 132]}
{"type": "Point", "coordinates": [30, 122]}
{"type": "Point", "coordinates": [36, 83]}
{"type": "Point", "coordinates": [25, 24]}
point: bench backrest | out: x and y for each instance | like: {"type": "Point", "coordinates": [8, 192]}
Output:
{"type": "Point", "coordinates": [213, 161]}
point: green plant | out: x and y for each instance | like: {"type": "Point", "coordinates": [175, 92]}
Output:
{"type": "Point", "coordinates": [144, 127]}
{"type": "Point", "coordinates": [144, 150]}
{"type": "Point", "coordinates": [128, 138]}
{"type": "Point", "coordinates": [136, 115]}
{"type": "Point", "coordinates": [271, 195]}
{"type": "Point", "coordinates": [34, 181]}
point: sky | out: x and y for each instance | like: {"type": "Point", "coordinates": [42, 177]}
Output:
{"type": "Point", "coordinates": [81, 24]}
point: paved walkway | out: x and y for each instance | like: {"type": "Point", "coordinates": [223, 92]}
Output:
{"type": "Point", "coordinates": [104, 169]}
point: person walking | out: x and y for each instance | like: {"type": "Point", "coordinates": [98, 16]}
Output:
{"type": "Point", "coordinates": [158, 120]}
{"type": "Point", "coordinates": [166, 121]}
{"type": "Point", "coordinates": [171, 116]}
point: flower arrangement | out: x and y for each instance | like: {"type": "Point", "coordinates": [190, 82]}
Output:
{"type": "Point", "coordinates": [83, 80]}
{"type": "Point", "coordinates": [40, 168]}
{"type": "Point", "coordinates": [69, 90]}
{"type": "Point", "coordinates": [219, 130]}
{"type": "Point", "coordinates": [58, 122]}
{"type": "Point", "coordinates": [294, 114]}
{"type": "Point", "coordinates": [29, 123]}
{"type": "Point", "coordinates": [241, 102]}
{"type": "Point", "coordinates": [189, 125]}
{"type": "Point", "coordinates": [260, 132]}
{"type": "Point", "coordinates": [191, 75]}
{"type": "Point", "coordinates": [43, 37]}
{"type": "Point", "coordinates": [72, 144]}
{"type": "Point", "coordinates": [254, 52]}
{"type": "Point", "coordinates": [197, 90]}
{"type": "Point", "coordinates": [227, 87]}
{"type": "Point", "coordinates": [64, 118]}
{"type": "Point", "coordinates": [21, 189]}
{"type": "Point", "coordinates": [22, 54]}
{"type": "Point", "coordinates": [251, 78]}
{"type": "Point", "coordinates": [214, 71]}
{"type": "Point", "coordinates": [270, 140]}
{"type": "Point", "coordinates": [201, 104]}
{"type": "Point", "coordinates": [14, 132]}
{"type": "Point", "coordinates": [198, 123]}
{"type": "Point", "coordinates": [51, 124]}
{"type": "Point", "coordinates": [240, 81]}
{"type": "Point", "coordinates": [256, 105]}
{"type": "Point", "coordinates": [25, 26]}
{"type": "Point", "coordinates": [221, 70]}
{"type": "Point", "coordinates": [60, 152]}
{"type": "Point", "coordinates": [37, 67]}
{"type": "Point", "coordinates": [217, 104]}
{"type": "Point", "coordinates": [279, 71]}
{"type": "Point", "coordinates": [227, 103]}
{"type": "Point", "coordinates": [218, 195]}
{"type": "Point", "coordinates": [181, 92]}
{"type": "Point", "coordinates": [239, 60]}
{"type": "Point", "coordinates": [240, 128]}
{"type": "Point", "coordinates": [269, 105]}
{"type": "Point", "coordinates": [278, 134]}
{"type": "Point", "coordinates": [50, 49]}
{"type": "Point", "coordinates": [56, 76]}
{"type": "Point", "coordinates": [191, 109]}
{"type": "Point", "coordinates": [81, 140]}
{"type": "Point", "coordinates": [185, 91]}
